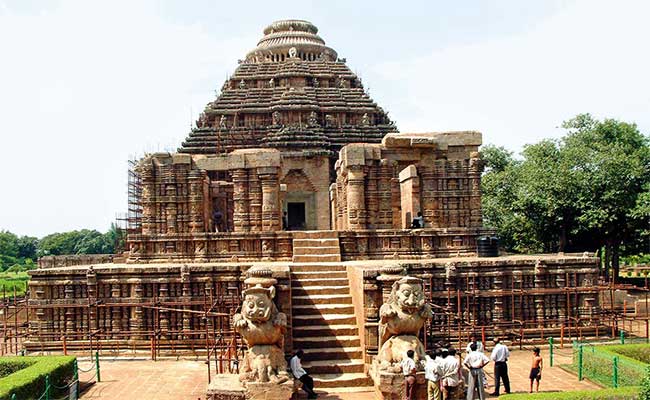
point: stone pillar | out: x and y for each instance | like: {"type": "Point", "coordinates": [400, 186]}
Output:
{"type": "Point", "coordinates": [148, 200]}
{"type": "Point", "coordinates": [334, 222]}
{"type": "Point", "coordinates": [372, 198]}
{"type": "Point", "coordinates": [240, 199]}
{"type": "Point", "coordinates": [540, 283]}
{"type": "Point", "coordinates": [475, 170]}
{"type": "Point", "coordinates": [497, 314]}
{"type": "Point", "coordinates": [270, 198]}
{"type": "Point", "coordinates": [356, 200]}
{"type": "Point", "coordinates": [409, 183]}
{"type": "Point", "coordinates": [187, 297]}
{"type": "Point", "coordinates": [163, 315]}
{"type": "Point", "coordinates": [372, 299]}
{"type": "Point", "coordinates": [195, 181]}
{"type": "Point", "coordinates": [255, 201]}
{"type": "Point", "coordinates": [69, 311]}
{"type": "Point", "coordinates": [91, 285]}
{"type": "Point", "coordinates": [171, 209]}
{"type": "Point", "coordinates": [137, 320]}
{"type": "Point", "coordinates": [116, 312]}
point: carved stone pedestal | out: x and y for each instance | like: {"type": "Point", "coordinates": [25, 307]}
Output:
{"type": "Point", "coordinates": [391, 386]}
{"type": "Point", "coordinates": [228, 387]}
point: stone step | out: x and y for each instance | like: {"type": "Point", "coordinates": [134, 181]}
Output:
{"type": "Point", "coordinates": [324, 381]}
{"type": "Point", "coordinates": [335, 319]}
{"type": "Point", "coordinates": [302, 280]}
{"type": "Point", "coordinates": [310, 275]}
{"type": "Point", "coordinates": [326, 341]}
{"type": "Point", "coordinates": [332, 353]}
{"type": "Point", "coordinates": [315, 235]}
{"type": "Point", "coordinates": [316, 243]}
{"type": "Point", "coordinates": [333, 250]}
{"type": "Point", "coordinates": [334, 367]}
{"type": "Point", "coordinates": [299, 290]}
{"type": "Point", "coordinates": [325, 330]}
{"type": "Point", "coordinates": [322, 299]}
{"type": "Point", "coordinates": [320, 268]}
{"type": "Point", "coordinates": [316, 258]}
{"type": "Point", "coordinates": [319, 309]}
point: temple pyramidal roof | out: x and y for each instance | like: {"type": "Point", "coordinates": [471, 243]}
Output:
{"type": "Point", "coordinates": [291, 92]}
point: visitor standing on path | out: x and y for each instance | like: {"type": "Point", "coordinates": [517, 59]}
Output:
{"type": "Point", "coordinates": [409, 369]}
{"type": "Point", "coordinates": [432, 374]}
{"type": "Point", "coordinates": [500, 355]}
{"type": "Point", "coordinates": [449, 374]}
{"type": "Point", "coordinates": [300, 374]}
{"type": "Point", "coordinates": [475, 361]}
{"type": "Point", "coordinates": [473, 338]}
{"type": "Point", "coordinates": [536, 369]}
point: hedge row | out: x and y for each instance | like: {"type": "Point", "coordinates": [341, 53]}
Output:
{"type": "Point", "coordinates": [626, 393]}
{"type": "Point", "coordinates": [29, 382]}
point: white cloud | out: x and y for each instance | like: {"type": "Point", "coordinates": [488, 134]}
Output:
{"type": "Point", "coordinates": [590, 57]}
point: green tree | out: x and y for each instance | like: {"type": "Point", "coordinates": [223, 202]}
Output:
{"type": "Point", "coordinates": [587, 190]}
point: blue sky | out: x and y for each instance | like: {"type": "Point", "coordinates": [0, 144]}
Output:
{"type": "Point", "coordinates": [85, 85]}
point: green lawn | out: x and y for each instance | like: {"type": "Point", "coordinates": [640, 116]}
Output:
{"type": "Point", "coordinates": [10, 279]}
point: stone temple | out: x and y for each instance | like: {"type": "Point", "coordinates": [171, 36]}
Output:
{"type": "Point", "coordinates": [295, 178]}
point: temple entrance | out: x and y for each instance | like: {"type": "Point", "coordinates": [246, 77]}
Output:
{"type": "Point", "coordinates": [296, 216]}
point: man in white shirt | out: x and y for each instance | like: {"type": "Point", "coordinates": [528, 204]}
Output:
{"type": "Point", "coordinates": [449, 374]}
{"type": "Point", "coordinates": [432, 374]}
{"type": "Point", "coordinates": [475, 361]}
{"type": "Point", "coordinates": [500, 356]}
{"type": "Point", "coordinates": [473, 339]}
{"type": "Point", "coordinates": [409, 368]}
{"type": "Point", "coordinates": [299, 372]}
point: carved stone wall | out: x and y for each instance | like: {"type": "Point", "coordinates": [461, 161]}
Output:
{"type": "Point", "coordinates": [385, 186]}
{"type": "Point", "coordinates": [540, 291]}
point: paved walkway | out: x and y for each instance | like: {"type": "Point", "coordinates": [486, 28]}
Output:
{"type": "Point", "coordinates": [187, 380]}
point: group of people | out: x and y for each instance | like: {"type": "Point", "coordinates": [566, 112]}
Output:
{"type": "Point", "coordinates": [445, 375]}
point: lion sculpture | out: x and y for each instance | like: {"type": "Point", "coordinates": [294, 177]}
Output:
{"type": "Point", "coordinates": [400, 321]}
{"type": "Point", "coordinates": [262, 326]}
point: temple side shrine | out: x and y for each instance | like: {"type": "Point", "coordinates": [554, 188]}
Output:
{"type": "Point", "coordinates": [296, 190]}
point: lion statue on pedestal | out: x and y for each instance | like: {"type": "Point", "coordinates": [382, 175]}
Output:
{"type": "Point", "coordinates": [262, 326]}
{"type": "Point", "coordinates": [400, 321]}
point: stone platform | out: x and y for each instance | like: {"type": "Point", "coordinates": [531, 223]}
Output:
{"type": "Point", "coordinates": [228, 387]}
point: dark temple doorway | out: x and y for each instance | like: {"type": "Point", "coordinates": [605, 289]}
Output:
{"type": "Point", "coordinates": [296, 216]}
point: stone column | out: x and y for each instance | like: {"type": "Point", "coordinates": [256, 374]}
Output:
{"type": "Point", "coordinates": [137, 320]}
{"type": "Point", "coordinates": [163, 316]}
{"type": "Point", "coordinates": [240, 199]}
{"type": "Point", "coordinates": [116, 312]}
{"type": "Point", "coordinates": [372, 299]}
{"type": "Point", "coordinates": [497, 314]}
{"type": "Point", "coordinates": [187, 297]}
{"type": "Point", "coordinates": [91, 285]}
{"type": "Point", "coordinates": [148, 200]}
{"type": "Point", "coordinates": [69, 311]}
{"type": "Point", "coordinates": [409, 183]}
{"type": "Point", "coordinates": [540, 283]}
{"type": "Point", "coordinates": [195, 181]}
{"type": "Point", "coordinates": [270, 198]}
{"type": "Point", "coordinates": [356, 200]}
{"type": "Point", "coordinates": [255, 201]}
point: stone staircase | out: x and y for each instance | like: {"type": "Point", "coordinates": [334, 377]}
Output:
{"type": "Point", "coordinates": [324, 324]}
{"type": "Point", "coordinates": [316, 246]}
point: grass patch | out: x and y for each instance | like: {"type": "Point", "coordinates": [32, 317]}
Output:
{"type": "Point", "coordinates": [8, 367]}
{"type": "Point", "coordinates": [10, 279]}
{"type": "Point", "coordinates": [639, 352]}
{"type": "Point", "coordinates": [625, 393]}
{"type": "Point", "coordinates": [598, 364]}
{"type": "Point", "coordinates": [28, 382]}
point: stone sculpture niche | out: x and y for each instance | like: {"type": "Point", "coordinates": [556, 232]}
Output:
{"type": "Point", "coordinates": [400, 321]}
{"type": "Point", "coordinates": [262, 326]}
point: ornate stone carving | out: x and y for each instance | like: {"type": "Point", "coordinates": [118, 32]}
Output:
{"type": "Point", "coordinates": [262, 326]}
{"type": "Point", "coordinates": [222, 122]}
{"type": "Point", "coordinates": [271, 83]}
{"type": "Point", "coordinates": [400, 321]}
{"type": "Point", "coordinates": [293, 52]}
{"type": "Point", "coordinates": [365, 120]}
{"type": "Point", "coordinates": [276, 118]}
{"type": "Point", "coordinates": [313, 119]}
{"type": "Point", "coordinates": [242, 84]}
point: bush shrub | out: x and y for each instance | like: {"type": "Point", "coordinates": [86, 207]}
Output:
{"type": "Point", "coordinates": [644, 391]}
{"type": "Point", "coordinates": [8, 367]}
{"type": "Point", "coordinates": [29, 382]}
{"type": "Point", "coordinates": [626, 393]}
{"type": "Point", "coordinates": [640, 352]}
{"type": "Point", "coordinates": [597, 364]}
